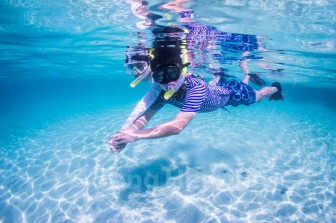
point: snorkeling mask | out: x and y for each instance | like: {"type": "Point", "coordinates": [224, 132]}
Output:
{"type": "Point", "coordinates": [136, 67]}
{"type": "Point", "coordinates": [166, 74]}
{"type": "Point", "coordinates": [173, 75]}
{"type": "Point", "coordinates": [139, 69]}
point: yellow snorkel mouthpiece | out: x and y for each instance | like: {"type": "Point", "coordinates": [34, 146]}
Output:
{"type": "Point", "coordinates": [175, 87]}
{"type": "Point", "coordinates": [135, 82]}
{"type": "Point", "coordinates": [169, 93]}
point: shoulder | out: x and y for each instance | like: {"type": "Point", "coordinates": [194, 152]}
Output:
{"type": "Point", "coordinates": [196, 93]}
{"type": "Point", "coordinates": [195, 88]}
{"type": "Point", "coordinates": [195, 83]}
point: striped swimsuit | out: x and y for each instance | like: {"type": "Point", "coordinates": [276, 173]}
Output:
{"type": "Point", "coordinates": [201, 97]}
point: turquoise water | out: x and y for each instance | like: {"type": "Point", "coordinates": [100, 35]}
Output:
{"type": "Point", "coordinates": [64, 92]}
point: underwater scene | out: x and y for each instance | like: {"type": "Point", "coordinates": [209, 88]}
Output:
{"type": "Point", "coordinates": [66, 68]}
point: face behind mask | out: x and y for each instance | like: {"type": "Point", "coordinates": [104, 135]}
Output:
{"type": "Point", "coordinates": [166, 74]}
{"type": "Point", "coordinates": [136, 68]}
{"type": "Point", "coordinates": [139, 69]}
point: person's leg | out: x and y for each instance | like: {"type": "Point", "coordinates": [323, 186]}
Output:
{"type": "Point", "coordinates": [265, 92]}
{"type": "Point", "coordinates": [246, 79]}
{"type": "Point", "coordinates": [254, 79]}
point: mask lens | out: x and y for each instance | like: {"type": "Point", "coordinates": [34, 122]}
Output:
{"type": "Point", "coordinates": [140, 67]}
{"type": "Point", "coordinates": [166, 74]}
{"type": "Point", "coordinates": [173, 73]}
{"type": "Point", "coordinates": [159, 76]}
{"type": "Point", "coordinates": [136, 68]}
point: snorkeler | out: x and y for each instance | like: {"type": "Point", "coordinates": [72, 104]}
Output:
{"type": "Point", "coordinates": [139, 57]}
{"type": "Point", "coordinates": [193, 96]}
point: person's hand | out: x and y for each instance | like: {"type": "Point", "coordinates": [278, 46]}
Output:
{"type": "Point", "coordinates": [125, 136]}
{"type": "Point", "coordinates": [115, 147]}
{"type": "Point", "coordinates": [119, 141]}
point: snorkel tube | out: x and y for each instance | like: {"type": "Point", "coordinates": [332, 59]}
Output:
{"type": "Point", "coordinates": [140, 78]}
{"type": "Point", "coordinates": [172, 88]}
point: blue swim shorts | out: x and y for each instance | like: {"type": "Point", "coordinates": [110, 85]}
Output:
{"type": "Point", "coordinates": [241, 93]}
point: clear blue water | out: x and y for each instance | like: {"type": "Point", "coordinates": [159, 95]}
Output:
{"type": "Point", "coordinates": [64, 92]}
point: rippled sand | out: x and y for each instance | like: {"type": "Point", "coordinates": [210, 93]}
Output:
{"type": "Point", "coordinates": [270, 162]}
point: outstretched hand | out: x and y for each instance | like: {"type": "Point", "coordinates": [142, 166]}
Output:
{"type": "Point", "coordinates": [116, 148]}
{"type": "Point", "coordinates": [125, 136]}
{"type": "Point", "coordinates": [119, 141]}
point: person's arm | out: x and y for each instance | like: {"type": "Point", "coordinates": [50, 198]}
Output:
{"type": "Point", "coordinates": [140, 123]}
{"type": "Point", "coordinates": [142, 106]}
{"type": "Point", "coordinates": [173, 127]}
{"type": "Point", "coordinates": [134, 120]}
